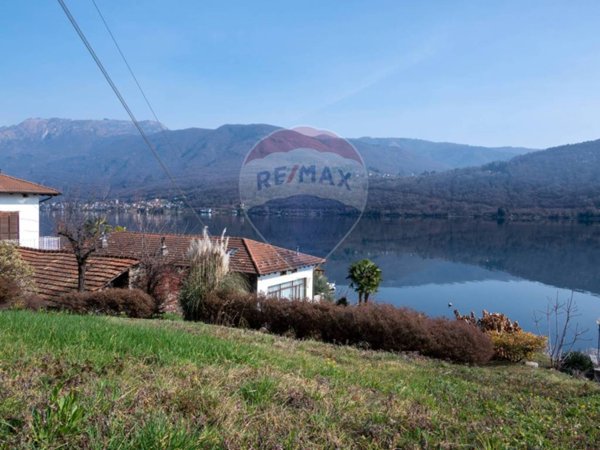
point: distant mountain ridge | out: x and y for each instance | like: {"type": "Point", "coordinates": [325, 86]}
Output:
{"type": "Point", "coordinates": [414, 156]}
{"type": "Point", "coordinates": [37, 131]}
{"type": "Point", "coordinates": [560, 181]}
{"type": "Point", "coordinates": [108, 157]}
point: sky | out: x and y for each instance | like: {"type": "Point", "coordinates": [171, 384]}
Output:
{"type": "Point", "coordinates": [519, 73]}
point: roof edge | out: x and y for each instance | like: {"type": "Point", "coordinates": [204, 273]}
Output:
{"type": "Point", "coordinates": [44, 190]}
{"type": "Point", "coordinates": [258, 272]}
{"type": "Point", "coordinates": [68, 252]}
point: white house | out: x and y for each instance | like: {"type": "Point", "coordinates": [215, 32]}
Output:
{"type": "Point", "coordinates": [270, 270]}
{"type": "Point", "coordinates": [20, 210]}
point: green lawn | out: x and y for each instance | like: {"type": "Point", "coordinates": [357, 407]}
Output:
{"type": "Point", "coordinates": [97, 382]}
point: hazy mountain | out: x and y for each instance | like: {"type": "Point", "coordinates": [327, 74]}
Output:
{"type": "Point", "coordinates": [545, 182]}
{"type": "Point", "coordinates": [65, 135]}
{"type": "Point", "coordinates": [413, 156]}
{"type": "Point", "coordinates": [62, 151]}
{"type": "Point", "coordinates": [57, 126]}
{"type": "Point", "coordinates": [108, 157]}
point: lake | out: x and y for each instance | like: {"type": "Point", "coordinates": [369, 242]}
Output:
{"type": "Point", "coordinates": [513, 268]}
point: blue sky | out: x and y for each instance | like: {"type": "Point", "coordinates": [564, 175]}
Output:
{"type": "Point", "coordinates": [521, 73]}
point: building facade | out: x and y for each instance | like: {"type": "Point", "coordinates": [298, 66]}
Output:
{"type": "Point", "coordinates": [292, 283]}
{"type": "Point", "coordinates": [20, 210]}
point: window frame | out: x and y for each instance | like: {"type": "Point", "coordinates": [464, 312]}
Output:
{"type": "Point", "coordinates": [297, 288]}
{"type": "Point", "coordinates": [9, 226]}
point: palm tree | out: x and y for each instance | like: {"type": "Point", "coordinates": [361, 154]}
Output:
{"type": "Point", "coordinates": [365, 277]}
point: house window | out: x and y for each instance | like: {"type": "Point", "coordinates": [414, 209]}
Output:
{"type": "Point", "coordinates": [9, 226]}
{"type": "Point", "coordinates": [293, 290]}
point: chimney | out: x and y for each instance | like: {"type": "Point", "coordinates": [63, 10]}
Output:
{"type": "Point", "coordinates": [103, 241]}
{"type": "Point", "coordinates": [164, 251]}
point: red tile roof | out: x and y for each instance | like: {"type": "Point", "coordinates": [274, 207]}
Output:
{"type": "Point", "coordinates": [55, 272]}
{"type": "Point", "coordinates": [247, 255]}
{"type": "Point", "coordinates": [12, 185]}
{"type": "Point", "coordinates": [269, 258]}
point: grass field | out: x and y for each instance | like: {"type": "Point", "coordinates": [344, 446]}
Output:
{"type": "Point", "coordinates": [97, 382]}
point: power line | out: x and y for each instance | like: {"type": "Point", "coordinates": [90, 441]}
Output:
{"type": "Point", "coordinates": [126, 106]}
{"type": "Point", "coordinates": [135, 122]}
{"type": "Point", "coordinates": [125, 61]}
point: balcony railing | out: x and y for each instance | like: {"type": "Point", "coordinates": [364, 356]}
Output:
{"type": "Point", "coordinates": [49, 243]}
{"type": "Point", "coordinates": [42, 243]}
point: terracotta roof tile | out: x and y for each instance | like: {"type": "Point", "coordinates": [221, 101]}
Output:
{"type": "Point", "coordinates": [12, 185]}
{"type": "Point", "coordinates": [247, 255]}
{"type": "Point", "coordinates": [269, 258]}
{"type": "Point", "coordinates": [55, 272]}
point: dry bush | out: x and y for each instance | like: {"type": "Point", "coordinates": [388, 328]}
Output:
{"type": "Point", "coordinates": [458, 341]}
{"type": "Point", "coordinates": [490, 322]}
{"type": "Point", "coordinates": [378, 327]}
{"type": "Point", "coordinates": [33, 302]}
{"type": "Point", "coordinates": [516, 346]}
{"type": "Point", "coordinates": [510, 342]}
{"type": "Point", "coordinates": [10, 292]}
{"type": "Point", "coordinates": [160, 281]}
{"type": "Point", "coordinates": [562, 332]}
{"type": "Point", "coordinates": [113, 302]}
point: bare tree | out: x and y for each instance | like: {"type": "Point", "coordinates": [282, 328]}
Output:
{"type": "Point", "coordinates": [156, 268]}
{"type": "Point", "coordinates": [562, 333]}
{"type": "Point", "coordinates": [84, 234]}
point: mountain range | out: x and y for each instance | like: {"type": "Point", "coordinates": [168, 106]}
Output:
{"type": "Point", "coordinates": [110, 153]}
{"type": "Point", "coordinates": [107, 159]}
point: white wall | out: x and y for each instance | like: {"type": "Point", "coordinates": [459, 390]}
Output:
{"type": "Point", "coordinates": [29, 216]}
{"type": "Point", "coordinates": [265, 281]}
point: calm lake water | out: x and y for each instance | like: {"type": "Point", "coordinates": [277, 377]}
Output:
{"type": "Point", "coordinates": [510, 268]}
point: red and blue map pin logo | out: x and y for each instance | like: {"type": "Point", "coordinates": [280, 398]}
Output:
{"type": "Point", "coordinates": [303, 171]}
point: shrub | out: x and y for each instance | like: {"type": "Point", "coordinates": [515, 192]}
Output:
{"type": "Point", "coordinates": [9, 292]}
{"type": "Point", "coordinates": [378, 327]}
{"type": "Point", "coordinates": [511, 343]}
{"type": "Point", "coordinates": [209, 270]}
{"type": "Point", "coordinates": [113, 302]}
{"type": "Point", "coordinates": [516, 346]}
{"type": "Point", "coordinates": [156, 278]}
{"type": "Point", "coordinates": [13, 267]}
{"type": "Point", "coordinates": [578, 363]}
{"type": "Point", "coordinates": [12, 296]}
{"type": "Point", "coordinates": [459, 341]}
{"type": "Point", "coordinates": [33, 302]}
